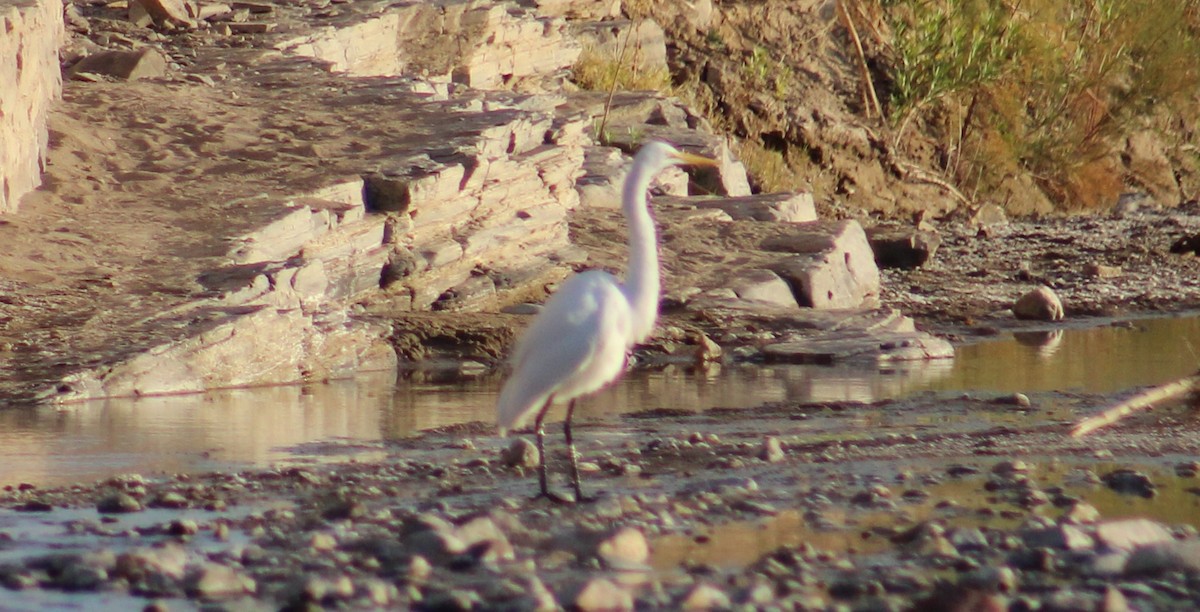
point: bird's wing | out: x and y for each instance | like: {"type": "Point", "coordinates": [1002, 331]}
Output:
{"type": "Point", "coordinates": [576, 345]}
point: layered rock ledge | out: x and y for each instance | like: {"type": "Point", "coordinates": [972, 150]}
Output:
{"type": "Point", "coordinates": [31, 34]}
{"type": "Point", "coordinates": [295, 192]}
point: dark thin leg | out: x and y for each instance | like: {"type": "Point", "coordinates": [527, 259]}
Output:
{"type": "Point", "coordinates": [579, 497]}
{"type": "Point", "coordinates": [541, 449]}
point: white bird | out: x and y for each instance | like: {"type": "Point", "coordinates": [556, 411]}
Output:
{"type": "Point", "coordinates": [580, 340]}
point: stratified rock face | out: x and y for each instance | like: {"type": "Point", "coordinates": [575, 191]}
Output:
{"type": "Point", "coordinates": [474, 42]}
{"type": "Point", "coordinates": [31, 31]}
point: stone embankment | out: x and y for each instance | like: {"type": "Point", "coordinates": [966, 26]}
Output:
{"type": "Point", "coordinates": [292, 178]}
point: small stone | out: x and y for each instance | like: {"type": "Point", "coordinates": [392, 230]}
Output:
{"type": "Point", "coordinates": [1041, 304]}
{"type": "Point", "coordinates": [215, 581]}
{"type": "Point", "coordinates": [1002, 579]}
{"type": "Point", "coordinates": [168, 560]}
{"type": "Point", "coordinates": [705, 596]}
{"type": "Point", "coordinates": [626, 548]}
{"type": "Point", "coordinates": [118, 503]}
{"type": "Point", "coordinates": [521, 453]}
{"type": "Point", "coordinates": [183, 527]}
{"type": "Point", "coordinates": [771, 450]}
{"type": "Point", "coordinates": [484, 539]}
{"type": "Point", "coordinates": [601, 594]}
{"type": "Point", "coordinates": [1081, 512]}
{"type": "Point", "coordinates": [1113, 601]}
{"type": "Point", "coordinates": [1015, 466]}
{"type": "Point", "coordinates": [322, 542]}
{"type": "Point", "coordinates": [1096, 270]}
{"type": "Point", "coordinates": [169, 499]}
{"type": "Point", "coordinates": [1130, 482]}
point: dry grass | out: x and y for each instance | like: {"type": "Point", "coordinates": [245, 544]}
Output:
{"type": "Point", "coordinates": [601, 72]}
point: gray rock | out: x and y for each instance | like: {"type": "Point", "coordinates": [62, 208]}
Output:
{"type": "Point", "coordinates": [1157, 559]}
{"type": "Point", "coordinates": [145, 63]}
{"type": "Point", "coordinates": [521, 453]}
{"type": "Point", "coordinates": [118, 503]}
{"type": "Point", "coordinates": [902, 248]}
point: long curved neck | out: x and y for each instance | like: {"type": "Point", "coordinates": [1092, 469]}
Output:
{"type": "Point", "coordinates": [642, 284]}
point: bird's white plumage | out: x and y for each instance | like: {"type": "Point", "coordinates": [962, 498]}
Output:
{"type": "Point", "coordinates": [580, 340]}
{"type": "Point", "coordinates": [576, 345]}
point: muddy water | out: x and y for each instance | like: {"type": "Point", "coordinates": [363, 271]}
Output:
{"type": "Point", "coordinates": [255, 427]}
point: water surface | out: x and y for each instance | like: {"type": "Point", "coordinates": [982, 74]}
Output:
{"type": "Point", "coordinates": [257, 427]}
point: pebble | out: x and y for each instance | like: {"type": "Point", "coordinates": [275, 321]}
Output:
{"type": "Point", "coordinates": [1131, 482]}
{"type": "Point", "coordinates": [520, 454]}
{"type": "Point", "coordinates": [771, 450]}
{"type": "Point", "coordinates": [215, 581]}
{"type": "Point", "coordinates": [704, 596]}
{"type": "Point", "coordinates": [118, 503]}
{"type": "Point", "coordinates": [626, 548]}
{"type": "Point", "coordinates": [600, 594]}
{"type": "Point", "coordinates": [1040, 304]}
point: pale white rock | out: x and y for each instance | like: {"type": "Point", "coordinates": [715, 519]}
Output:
{"type": "Point", "coordinates": [763, 286]}
{"type": "Point", "coordinates": [32, 34]}
{"type": "Point", "coordinates": [600, 594]}
{"type": "Point", "coordinates": [784, 207]}
{"type": "Point", "coordinates": [834, 266]}
{"type": "Point", "coordinates": [1040, 304]}
{"type": "Point", "coordinates": [625, 548]}
{"type": "Point", "coordinates": [705, 596]}
{"type": "Point", "coordinates": [480, 44]}
{"type": "Point", "coordinates": [1128, 534]}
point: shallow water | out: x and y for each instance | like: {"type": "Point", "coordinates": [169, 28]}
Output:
{"type": "Point", "coordinates": [257, 427]}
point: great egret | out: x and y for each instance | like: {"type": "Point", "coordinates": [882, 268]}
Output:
{"type": "Point", "coordinates": [580, 340]}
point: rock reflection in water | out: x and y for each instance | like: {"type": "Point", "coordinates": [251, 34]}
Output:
{"type": "Point", "coordinates": [1044, 343]}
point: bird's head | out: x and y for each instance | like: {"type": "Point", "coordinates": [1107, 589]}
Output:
{"type": "Point", "coordinates": [657, 155]}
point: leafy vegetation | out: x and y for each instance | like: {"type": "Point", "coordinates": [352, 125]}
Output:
{"type": "Point", "coordinates": [1049, 87]}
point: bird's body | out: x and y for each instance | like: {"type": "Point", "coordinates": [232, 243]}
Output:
{"type": "Point", "coordinates": [581, 339]}
{"type": "Point", "coordinates": [592, 318]}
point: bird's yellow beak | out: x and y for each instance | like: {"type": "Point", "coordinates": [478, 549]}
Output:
{"type": "Point", "coordinates": [695, 160]}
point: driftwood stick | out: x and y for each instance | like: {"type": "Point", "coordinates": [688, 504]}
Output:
{"type": "Point", "coordinates": [1141, 401]}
